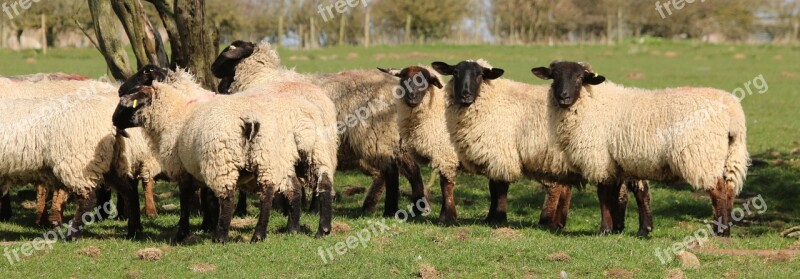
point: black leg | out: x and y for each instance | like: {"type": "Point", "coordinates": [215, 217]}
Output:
{"type": "Point", "coordinates": [501, 192]}
{"type": "Point", "coordinates": [641, 191]}
{"type": "Point", "coordinates": [5, 207]}
{"type": "Point", "coordinates": [134, 211]}
{"type": "Point", "coordinates": [187, 195]}
{"type": "Point", "coordinates": [104, 197]}
{"type": "Point", "coordinates": [374, 194]}
{"type": "Point", "coordinates": [264, 208]}
{"type": "Point", "coordinates": [122, 206]}
{"type": "Point", "coordinates": [210, 210]}
{"type": "Point", "coordinates": [226, 206]}
{"type": "Point", "coordinates": [325, 190]}
{"type": "Point", "coordinates": [241, 206]}
{"type": "Point", "coordinates": [85, 203]}
{"type": "Point", "coordinates": [411, 171]}
{"type": "Point", "coordinates": [492, 203]}
{"type": "Point", "coordinates": [296, 206]}
{"type": "Point", "coordinates": [618, 201]}
{"type": "Point", "coordinates": [448, 214]}
{"type": "Point", "coordinates": [392, 200]}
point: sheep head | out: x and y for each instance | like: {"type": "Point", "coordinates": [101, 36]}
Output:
{"type": "Point", "coordinates": [569, 78]}
{"type": "Point", "coordinates": [130, 103]}
{"type": "Point", "coordinates": [416, 82]}
{"type": "Point", "coordinates": [144, 77]}
{"type": "Point", "coordinates": [224, 67]}
{"type": "Point", "coordinates": [468, 76]}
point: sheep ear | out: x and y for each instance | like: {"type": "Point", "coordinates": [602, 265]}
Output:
{"type": "Point", "coordinates": [542, 73]}
{"type": "Point", "coordinates": [144, 77]}
{"type": "Point", "coordinates": [138, 99]}
{"type": "Point", "coordinates": [443, 68]}
{"type": "Point", "coordinates": [493, 73]}
{"type": "Point", "coordinates": [593, 78]}
{"type": "Point", "coordinates": [391, 72]}
{"type": "Point", "coordinates": [226, 62]}
{"type": "Point", "coordinates": [435, 81]}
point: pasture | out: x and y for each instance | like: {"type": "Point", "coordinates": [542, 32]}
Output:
{"type": "Point", "coordinates": [420, 247]}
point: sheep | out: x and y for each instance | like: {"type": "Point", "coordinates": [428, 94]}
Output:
{"type": "Point", "coordinates": [499, 129]}
{"type": "Point", "coordinates": [695, 135]}
{"type": "Point", "coordinates": [366, 118]}
{"type": "Point", "coordinates": [257, 139]}
{"type": "Point", "coordinates": [78, 160]}
{"type": "Point", "coordinates": [58, 85]}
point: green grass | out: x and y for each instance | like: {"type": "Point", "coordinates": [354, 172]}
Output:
{"type": "Point", "coordinates": [473, 249]}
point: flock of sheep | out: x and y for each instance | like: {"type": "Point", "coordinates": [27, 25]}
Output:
{"type": "Point", "coordinates": [277, 133]}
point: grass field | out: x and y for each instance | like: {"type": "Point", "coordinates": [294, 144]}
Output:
{"type": "Point", "coordinates": [422, 248]}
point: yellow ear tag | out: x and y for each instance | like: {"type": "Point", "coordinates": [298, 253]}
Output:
{"type": "Point", "coordinates": [232, 47]}
{"type": "Point", "coordinates": [135, 102]}
{"type": "Point", "coordinates": [595, 75]}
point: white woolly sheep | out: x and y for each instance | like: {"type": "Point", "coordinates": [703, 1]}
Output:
{"type": "Point", "coordinates": [366, 116]}
{"type": "Point", "coordinates": [251, 140]}
{"type": "Point", "coordinates": [499, 129]}
{"type": "Point", "coordinates": [79, 160]}
{"type": "Point", "coordinates": [610, 132]}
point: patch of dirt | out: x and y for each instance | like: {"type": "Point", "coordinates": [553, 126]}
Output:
{"type": "Point", "coordinates": [778, 57]}
{"type": "Point", "coordinates": [635, 76]}
{"type": "Point", "coordinates": [203, 268]}
{"type": "Point", "coordinates": [795, 150]}
{"type": "Point", "coordinates": [506, 233]}
{"type": "Point", "coordinates": [619, 273]}
{"type": "Point", "coordinates": [671, 54]}
{"type": "Point", "coordinates": [340, 227]}
{"type": "Point", "coordinates": [675, 273]}
{"type": "Point", "coordinates": [91, 251]}
{"type": "Point", "coordinates": [427, 271]}
{"type": "Point", "coordinates": [150, 254]}
{"type": "Point", "coordinates": [169, 207]}
{"type": "Point", "coordinates": [166, 195]}
{"type": "Point", "coordinates": [243, 222]}
{"type": "Point", "coordinates": [559, 257]}
{"type": "Point", "coordinates": [790, 75]}
{"type": "Point", "coordinates": [352, 55]}
{"type": "Point", "coordinates": [355, 190]}
{"type": "Point", "coordinates": [733, 274]}
{"type": "Point", "coordinates": [329, 57]}
{"type": "Point", "coordinates": [463, 234]}
{"type": "Point", "coordinates": [739, 56]}
{"type": "Point", "coordinates": [688, 260]}
{"type": "Point", "coordinates": [29, 205]}
{"type": "Point", "coordinates": [134, 274]}
{"type": "Point", "coordinates": [777, 254]}
{"type": "Point", "coordinates": [298, 58]}
{"type": "Point", "coordinates": [31, 60]}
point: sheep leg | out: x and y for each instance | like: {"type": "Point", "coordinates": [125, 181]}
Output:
{"type": "Point", "coordinates": [296, 206]}
{"type": "Point", "coordinates": [498, 216]}
{"type": "Point", "coordinates": [5, 207]}
{"type": "Point", "coordinates": [492, 203]}
{"type": "Point", "coordinates": [41, 205]}
{"type": "Point", "coordinates": [210, 210]}
{"type": "Point", "coordinates": [129, 191]}
{"type": "Point", "coordinates": [410, 170]}
{"type": "Point", "coordinates": [149, 200]}
{"type": "Point", "coordinates": [85, 203]}
{"type": "Point", "coordinates": [563, 206]}
{"type": "Point", "coordinates": [121, 204]}
{"type": "Point", "coordinates": [392, 199]}
{"type": "Point", "coordinates": [103, 197]}
{"type": "Point", "coordinates": [605, 212]}
{"type": "Point", "coordinates": [550, 207]}
{"type": "Point", "coordinates": [60, 198]}
{"type": "Point", "coordinates": [227, 203]}
{"type": "Point", "coordinates": [241, 205]}
{"type": "Point", "coordinates": [374, 194]}
{"type": "Point", "coordinates": [722, 209]}
{"type": "Point", "coordinates": [325, 192]}
{"type": "Point", "coordinates": [187, 191]}
{"type": "Point", "coordinates": [618, 202]}
{"type": "Point", "coordinates": [448, 214]}
{"type": "Point", "coordinates": [641, 190]}
{"type": "Point", "coordinates": [264, 207]}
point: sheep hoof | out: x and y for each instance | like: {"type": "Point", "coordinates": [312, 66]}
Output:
{"type": "Point", "coordinates": [447, 220]}
{"type": "Point", "coordinates": [133, 235]}
{"type": "Point", "coordinates": [181, 236]}
{"type": "Point", "coordinates": [258, 238]}
{"type": "Point", "coordinates": [643, 234]}
{"type": "Point", "coordinates": [220, 239]}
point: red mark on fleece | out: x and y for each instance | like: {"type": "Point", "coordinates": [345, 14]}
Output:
{"type": "Point", "coordinates": [70, 77]}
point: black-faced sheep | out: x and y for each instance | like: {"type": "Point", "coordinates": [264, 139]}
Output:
{"type": "Point", "coordinates": [610, 132]}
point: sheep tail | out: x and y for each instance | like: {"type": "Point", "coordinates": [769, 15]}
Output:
{"type": "Point", "coordinates": [738, 160]}
{"type": "Point", "coordinates": [250, 129]}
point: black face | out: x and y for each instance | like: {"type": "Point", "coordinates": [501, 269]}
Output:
{"type": "Point", "coordinates": [467, 79]}
{"type": "Point", "coordinates": [144, 77]}
{"type": "Point", "coordinates": [125, 115]}
{"type": "Point", "coordinates": [415, 81]}
{"type": "Point", "coordinates": [224, 67]}
{"type": "Point", "coordinates": [568, 80]}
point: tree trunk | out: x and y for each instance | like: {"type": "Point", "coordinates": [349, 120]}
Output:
{"type": "Point", "coordinates": [366, 28]}
{"type": "Point", "coordinates": [200, 45]}
{"type": "Point", "coordinates": [408, 29]}
{"type": "Point", "coordinates": [342, 22]}
{"type": "Point", "coordinates": [167, 15]}
{"type": "Point", "coordinates": [280, 31]}
{"type": "Point", "coordinates": [145, 41]}
{"type": "Point", "coordinates": [44, 34]}
{"type": "Point", "coordinates": [108, 42]}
